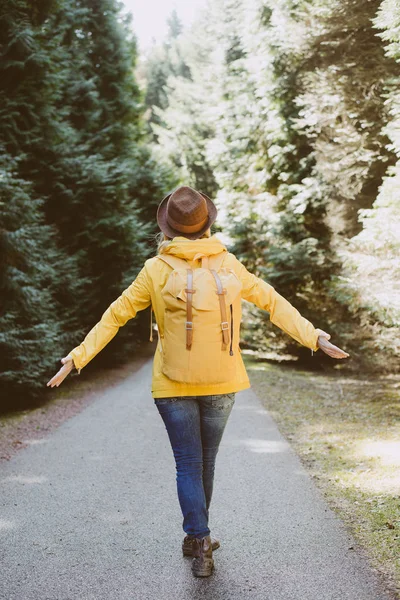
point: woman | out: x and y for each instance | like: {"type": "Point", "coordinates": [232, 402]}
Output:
{"type": "Point", "coordinates": [194, 414]}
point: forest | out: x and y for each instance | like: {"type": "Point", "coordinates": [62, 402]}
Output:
{"type": "Point", "coordinates": [286, 113]}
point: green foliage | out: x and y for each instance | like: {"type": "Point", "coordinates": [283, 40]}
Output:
{"type": "Point", "coordinates": [30, 336]}
{"type": "Point", "coordinates": [164, 61]}
{"type": "Point", "coordinates": [371, 269]}
{"type": "Point", "coordinates": [34, 288]}
{"type": "Point", "coordinates": [285, 112]}
{"type": "Point", "coordinates": [79, 185]}
{"type": "Point", "coordinates": [289, 121]}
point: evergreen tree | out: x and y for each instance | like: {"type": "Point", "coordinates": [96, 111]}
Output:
{"type": "Point", "coordinates": [37, 279]}
{"type": "Point", "coordinates": [164, 61]}
{"type": "Point", "coordinates": [287, 120]}
{"type": "Point", "coordinates": [256, 158]}
{"type": "Point", "coordinates": [94, 173]}
{"type": "Point", "coordinates": [78, 182]}
{"type": "Point", "coordinates": [368, 283]}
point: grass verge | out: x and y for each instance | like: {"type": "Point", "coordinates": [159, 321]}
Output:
{"type": "Point", "coordinates": [346, 432]}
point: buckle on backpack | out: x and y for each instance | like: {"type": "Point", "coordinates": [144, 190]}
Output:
{"type": "Point", "coordinates": [224, 325]}
{"type": "Point", "coordinates": [188, 324]}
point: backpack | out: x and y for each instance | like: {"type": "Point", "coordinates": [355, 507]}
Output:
{"type": "Point", "coordinates": [197, 342]}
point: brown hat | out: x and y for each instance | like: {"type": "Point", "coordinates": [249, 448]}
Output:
{"type": "Point", "coordinates": [186, 212]}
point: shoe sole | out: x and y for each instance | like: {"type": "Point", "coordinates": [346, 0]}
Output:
{"type": "Point", "coordinates": [204, 572]}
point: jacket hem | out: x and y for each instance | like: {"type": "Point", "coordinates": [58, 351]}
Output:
{"type": "Point", "coordinates": [205, 390]}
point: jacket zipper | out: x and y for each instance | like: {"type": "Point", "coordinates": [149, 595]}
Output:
{"type": "Point", "coordinates": [231, 351]}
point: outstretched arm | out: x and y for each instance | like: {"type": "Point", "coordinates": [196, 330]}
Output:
{"type": "Point", "coordinates": [133, 299]}
{"type": "Point", "coordinates": [284, 315]}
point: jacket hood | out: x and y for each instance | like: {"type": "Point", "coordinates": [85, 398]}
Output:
{"type": "Point", "coordinates": [182, 247]}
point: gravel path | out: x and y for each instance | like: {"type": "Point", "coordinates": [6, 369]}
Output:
{"type": "Point", "coordinates": [90, 512]}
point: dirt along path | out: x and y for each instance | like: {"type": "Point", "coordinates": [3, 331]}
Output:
{"type": "Point", "coordinates": [91, 513]}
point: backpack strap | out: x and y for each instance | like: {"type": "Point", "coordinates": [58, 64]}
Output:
{"type": "Point", "coordinates": [222, 304]}
{"type": "Point", "coordinates": [214, 264]}
{"type": "Point", "coordinates": [189, 315]}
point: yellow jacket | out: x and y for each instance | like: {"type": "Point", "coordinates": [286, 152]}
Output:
{"type": "Point", "coordinates": [145, 291]}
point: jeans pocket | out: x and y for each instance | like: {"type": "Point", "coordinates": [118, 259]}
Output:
{"type": "Point", "coordinates": [222, 401]}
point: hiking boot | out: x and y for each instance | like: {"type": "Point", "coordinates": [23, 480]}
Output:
{"type": "Point", "coordinates": [187, 545]}
{"type": "Point", "coordinates": [203, 562]}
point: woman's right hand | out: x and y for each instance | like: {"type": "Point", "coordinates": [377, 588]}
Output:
{"type": "Point", "coordinates": [68, 366]}
{"type": "Point", "coordinates": [328, 348]}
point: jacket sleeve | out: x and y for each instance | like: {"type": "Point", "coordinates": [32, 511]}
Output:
{"type": "Point", "coordinates": [282, 314]}
{"type": "Point", "coordinates": [134, 298]}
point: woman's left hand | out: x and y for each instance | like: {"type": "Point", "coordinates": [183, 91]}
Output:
{"type": "Point", "coordinates": [329, 348]}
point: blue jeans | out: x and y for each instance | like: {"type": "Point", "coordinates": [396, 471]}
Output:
{"type": "Point", "coordinates": [195, 425]}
